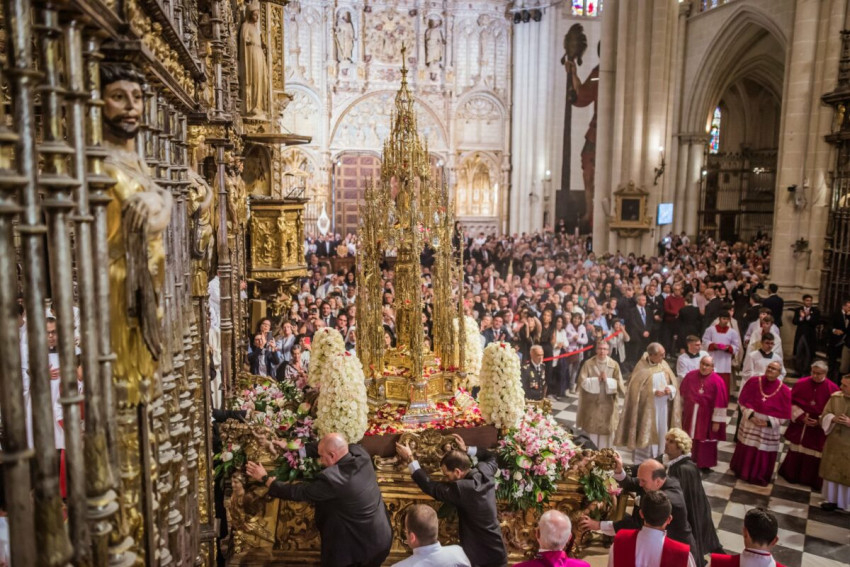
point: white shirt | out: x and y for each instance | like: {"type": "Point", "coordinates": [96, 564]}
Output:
{"type": "Point", "coordinates": [755, 364]}
{"type": "Point", "coordinates": [685, 363]}
{"type": "Point", "coordinates": [435, 555]}
{"type": "Point", "coordinates": [755, 341]}
{"type": "Point", "coordinates": [756, 558]}
{"type": "Point", "coordinates": [650, 545]}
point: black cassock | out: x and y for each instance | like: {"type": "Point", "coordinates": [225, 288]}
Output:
{"type": "Point", "coordinates": [699, 508]}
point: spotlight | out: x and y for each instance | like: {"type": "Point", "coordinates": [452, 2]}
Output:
{"type": "Point", "coordinates": [536, 15]}
{"type": "Point", "coordinates": [517, 17]}
{"type": "Point", "coordinates": [526, 16]}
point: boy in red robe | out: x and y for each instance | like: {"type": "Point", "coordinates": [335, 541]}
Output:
{"type": "Point", "coordinates": [760, 529]}
{"type": "Point", "coordinates": [704, 401]}
{"type": "Point", "coordinates": [807, 438]}
{"type": "Point", "coordinates": [650, 546]}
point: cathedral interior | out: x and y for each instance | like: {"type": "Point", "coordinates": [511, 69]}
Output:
{"type": "Point", "coordinates": [170, 169]}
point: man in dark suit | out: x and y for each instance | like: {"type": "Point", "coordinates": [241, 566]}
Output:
{"type": "Point", "coordinates": [639, 322]}
{"type": "Point", "coordinates": [840, 344]}
{"type": "Point", "coordinates": [350, 511]}
{"type": "Point", "coordinates": [713, 307]}
{"type": "Point", "coordinates": [533, 376]}
{"type": "Point", "coordinates": [691, 322]}
{"type": "Point", "coordinates": [806, 319]}
{"type": "Point", "coordinates": [326, 246]}
{"type": "Point", "coordinates": [327, 316]}
{"type": "Point", "coordinates": [264, 357]}
{"type": "Point", "coordinates": [775, 303]}
{"type": "Point", "coordinates": [651, 476]}
{"type": "Point", "coordinates": [473, 492]}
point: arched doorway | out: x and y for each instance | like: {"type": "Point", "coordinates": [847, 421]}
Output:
{"type": "Point", "coordinates": [738, 192]}
{"type": "Point", "coordinates": [737, 100]}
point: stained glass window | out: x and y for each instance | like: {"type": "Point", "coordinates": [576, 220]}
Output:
{"type": "Point", "coordinates": [714, 142]}
{"type": "Point", "coordinates": [590, 8]}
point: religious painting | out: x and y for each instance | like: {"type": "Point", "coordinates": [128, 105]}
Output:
{"type": "Point", "coordinates": [631, 216]}
{"type": "Point", "coordinates": [574, 171]}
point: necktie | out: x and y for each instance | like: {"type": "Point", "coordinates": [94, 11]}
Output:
{"type": "Point", "coordinates": [643, 315]}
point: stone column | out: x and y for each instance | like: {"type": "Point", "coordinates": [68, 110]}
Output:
{"type": "Point", "coordinates": [690, 198]}
{"type": "Point", "coordinates": [804, 156]}
{"type": "Point", "coordinates": [519, 189]}
{"type": "Point", "coordinates": [531, 119]}
{"type": "Point", "coordinates": [605, 119]}
{"type": "Point", "coordinates": [633, 116]}
{"type": "Point", "coordinates": [677, 162]}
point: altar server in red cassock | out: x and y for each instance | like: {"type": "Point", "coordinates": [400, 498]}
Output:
{"type": "Point", "coordinates": [808, 398]}
{"type": "Point", "coordinates": [704, 401]}
{"type": "Point", "coordinates": [650, 546]}
{"type": "Point", "coordinates": [765, 403]}
{"type": "Point", "coordinates": [760, 535]}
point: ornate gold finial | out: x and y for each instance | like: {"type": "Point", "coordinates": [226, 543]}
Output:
{"type": "Point", "coordinates": [405, 156]}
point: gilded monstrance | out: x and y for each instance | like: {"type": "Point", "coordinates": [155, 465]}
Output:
{"type": "Point", "coordinates": [404, 211]}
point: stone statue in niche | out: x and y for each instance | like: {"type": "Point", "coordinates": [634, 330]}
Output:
{"type": "Point", "coordinates": [344, 38]}
{"type": "Point", "coordinates": [254, 69]}
{"type": "Point", "coordinates": [435, 42]}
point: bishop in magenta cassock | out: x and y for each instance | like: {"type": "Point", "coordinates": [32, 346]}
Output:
{"type": "Point", "coordinates": [765, 403]}
{"type": "Point", "coordinates": [704, 401]}
{"type": "Point", "coordinates": [804, 433]}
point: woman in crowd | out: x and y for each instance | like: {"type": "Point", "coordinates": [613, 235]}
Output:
{"type": "Point", "coordinates": [285, 340]}
{"type": "Point", "coordinates": [293, 371]}
{"type": "Point", "coordinates": [547, 340]}
{"type": "Point", "coordinates": [560, 367]}
{"type": "Point", "coordinates": [577, 338]}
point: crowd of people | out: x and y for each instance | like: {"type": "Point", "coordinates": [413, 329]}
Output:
{"type": "Point", "coordinates": [654, 348]}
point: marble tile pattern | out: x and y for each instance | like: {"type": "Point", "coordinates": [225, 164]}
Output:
{"type": "Point", "coordinates": [808, 536]}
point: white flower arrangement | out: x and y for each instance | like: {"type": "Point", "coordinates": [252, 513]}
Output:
{"type": "Point", "coordinates": [342, 405]}
{"type": "Point", "coordinates": [327, 344]}
{"type": "Point", "coordinates": [501, 399]}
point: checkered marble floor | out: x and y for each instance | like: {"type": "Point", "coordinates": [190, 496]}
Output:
{"type": "Point", "coordinates": [808, 536]}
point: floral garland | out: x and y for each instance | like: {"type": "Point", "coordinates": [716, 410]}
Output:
{"type": "Point", "coordinates": [459, 412]}
{"type": "Point", "coordinates": [533, 457]}
{"type": "Point", "coordinates": [268, 396]}
{"type": "Point", "coordinates": [342, 405]}
{"type": "Point", "coordinates": [501, 399]}
{"type": "Point", "coordinates": [327, 344]}
{"type": "Point", "coordinates": [472, 352]}
{"type": "Point", "coordinates": [595, 470]}
{"type": "Point", "coordinates": [231, 459]}
{"type": "Point", "coordinates": [284, 421]}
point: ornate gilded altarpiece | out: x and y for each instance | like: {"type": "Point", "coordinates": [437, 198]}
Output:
{"type": "Point", "coordinates": [268, 531]}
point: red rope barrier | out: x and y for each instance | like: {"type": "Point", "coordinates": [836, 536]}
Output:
{"type": "Point", "coordinates": [585, 349]}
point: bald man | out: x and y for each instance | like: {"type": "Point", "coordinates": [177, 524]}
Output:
{"type": "Point", "coordinates": [651, 476]}
{"type": "Point", "coordinates": [350, 512]}
{"type": "Point", "coordinates": [554, 532]}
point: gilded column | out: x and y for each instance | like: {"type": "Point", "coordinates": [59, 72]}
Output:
{"type": "Point", "coordinates": [48, 545]}
{"type": "Point", "coordinates": [57, 185]}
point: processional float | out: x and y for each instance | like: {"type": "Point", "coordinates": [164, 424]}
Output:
{"type": "Point", "coordinates": [403, 211]}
